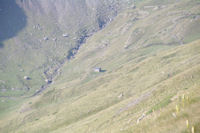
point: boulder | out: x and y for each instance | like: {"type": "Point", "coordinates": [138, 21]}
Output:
{"type": "Point", "coordinates": [65, 35]}
{"type": "Point", "coordinates": [27, 78]}
{"type": "Point", "coordinates": [45, 38]}
{"type": "Point", "coordinates": [48, 81]}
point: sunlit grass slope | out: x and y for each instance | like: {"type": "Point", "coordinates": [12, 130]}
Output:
{"type": "Point", "coordinates": [153, 86]}
{"type": "Point", "coordinates": [151, 64]}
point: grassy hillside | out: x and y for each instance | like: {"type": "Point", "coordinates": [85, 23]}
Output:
{"type": "Point", "coordinates": [151, 62]}
{"type": "Point", "coordinates": [41, 36]}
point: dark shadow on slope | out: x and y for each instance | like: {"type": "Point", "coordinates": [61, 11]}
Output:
{"type": "Point", "coordinates": [12, 20]}
{"type": "Point", "coordinates": [103, 71]}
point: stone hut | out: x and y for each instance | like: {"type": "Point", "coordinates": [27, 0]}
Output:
{"type": "Point", "coordinates": [98, 70]}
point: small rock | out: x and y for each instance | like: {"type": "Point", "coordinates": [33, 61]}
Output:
{"type": "Point", "coordinates": [125, 47]}
{"type": "Point", "coordinates": [121, 95]}
{"type": "Point", "coordinates": [141, 118]}
{"type": "Point", "coordinates": [174, 115]}
{"type": "Point", "coordinates": [133, 6]}
{"type": "Point", "coordinates": [45, 38]}
{"type": "Point", "coordinates": [48, 81]}
{"type": "Point", "coordinates": [27, 78]}
{"type": "Point", "coordinates": [65, 35]}
{"type": "Point", "coordinates": [54, 39]}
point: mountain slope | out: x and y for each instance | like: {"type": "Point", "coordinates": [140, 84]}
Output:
{"type": "Point", "coordinates": [150, 57]}
{"type": "Point", "coordinates": [42, 36]}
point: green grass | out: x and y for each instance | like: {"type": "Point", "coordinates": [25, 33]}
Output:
{"type": "Point", "coordinates": [161, 105]}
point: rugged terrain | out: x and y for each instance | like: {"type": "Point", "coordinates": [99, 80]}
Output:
{"type": "Point", "coordinates": [148, 51]}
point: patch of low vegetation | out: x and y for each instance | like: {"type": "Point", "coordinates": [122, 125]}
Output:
{"type": "Point", "coordinates": [160, 105]}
